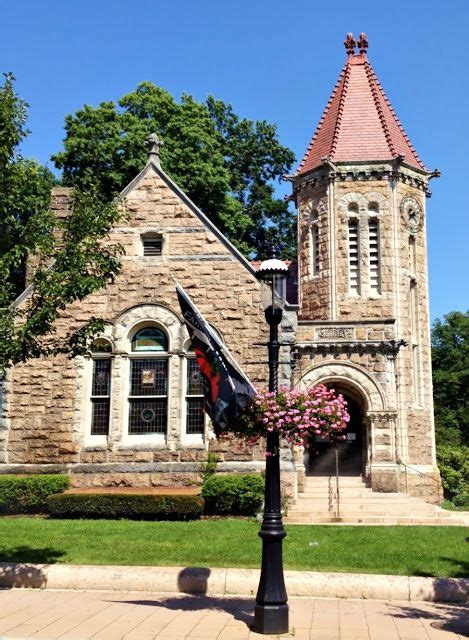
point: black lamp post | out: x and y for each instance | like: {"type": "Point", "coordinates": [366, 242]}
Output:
{"type": "Point", "coordinates": [271, 613]}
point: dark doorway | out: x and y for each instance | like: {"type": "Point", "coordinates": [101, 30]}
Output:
{"type": "Point", "coordinates": [321, 458]}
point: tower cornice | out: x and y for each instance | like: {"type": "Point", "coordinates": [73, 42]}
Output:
{"type": "Point", "coordinates": [387, 171]}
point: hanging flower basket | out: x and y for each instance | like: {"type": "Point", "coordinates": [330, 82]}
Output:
{"type": "Point", "coordinates": [296, 415]}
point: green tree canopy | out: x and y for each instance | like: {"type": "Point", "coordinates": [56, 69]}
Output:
{"type": "Point", "coordinates": [70, 259]}
{"type": "Point", "coordinates": [227, 165]}
{"type": "Point", "coordinates": [450, 359]}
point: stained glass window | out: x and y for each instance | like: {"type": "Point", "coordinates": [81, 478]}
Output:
{"type": "Point", "coordinates": [148, 384]}
{"type": "Point", "coordinates": [150, 339]}
{"type": "Point", "coordinates": [195, 412]}
{"type": "Point", "coordinates": [100, 396]}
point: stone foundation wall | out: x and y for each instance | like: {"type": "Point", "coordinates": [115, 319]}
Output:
{"type": "Point", "coordinates": [426, 486]}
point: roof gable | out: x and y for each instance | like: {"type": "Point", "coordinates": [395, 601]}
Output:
{"type": "Point", "coordinates": [153, 165]}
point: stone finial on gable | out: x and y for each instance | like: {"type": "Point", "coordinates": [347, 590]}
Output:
{"type": "Point", "coordinates": [362, 43]}
{"type": "Point", "coordinates": [350, 44]}
{"type": "Point", "coordinates": [154, 143]}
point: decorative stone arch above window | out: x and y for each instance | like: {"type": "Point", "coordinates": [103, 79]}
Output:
{"type": "Point", "coordinates": [376, 203]}
{"type": "Point", "coordinates": [371, 203]}
{"type": "Point", "coordinates": [106, 335]}
{"type": "Point", "coordinates": [348, 374]}
{"type": "Point", "coordinates": [138, 317]}
{"type": "Point", "coordinates": [314, 207]}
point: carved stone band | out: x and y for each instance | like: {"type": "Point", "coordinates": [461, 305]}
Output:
{"type": "Point", "coordinates": [335, 333]}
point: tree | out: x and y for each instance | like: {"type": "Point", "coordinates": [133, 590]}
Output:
{"type": "Point", "coordinates": [450, 360]}
{"type": "Point", "coordinates": [69, 257]}
{"type": "Point", "coordinates": [228, 166]}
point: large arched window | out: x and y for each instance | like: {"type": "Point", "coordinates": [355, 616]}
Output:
{"type": "Point", "coordinates": [148, 384]}
{"type": "Point", "coordinates": [100, 387]}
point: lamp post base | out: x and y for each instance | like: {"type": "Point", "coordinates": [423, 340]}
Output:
{"type": "Point", "coordinates": [271, 619]}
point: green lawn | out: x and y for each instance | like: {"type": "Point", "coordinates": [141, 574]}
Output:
{"type": "Point", "coordinates": [423, 551]}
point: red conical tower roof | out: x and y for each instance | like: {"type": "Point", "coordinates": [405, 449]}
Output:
{"type": "Point", "coordinates": [358, 123]}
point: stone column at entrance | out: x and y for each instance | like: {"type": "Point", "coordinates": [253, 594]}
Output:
{"type": "Point", "coordinates": [383, 466]}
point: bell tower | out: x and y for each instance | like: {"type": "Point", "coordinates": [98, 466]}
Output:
{"type": "Point", "coordinates": [360, 191]}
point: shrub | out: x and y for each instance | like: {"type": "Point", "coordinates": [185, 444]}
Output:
{"type": "Point", "coordinates": [453, 463]}
{"type": "Point", "coordinates": [28, 494]}
{"type": "Point", "coordinates": [233, 494]}
{"type": "Point", "coordinates": [209, 468]}
{"type": "Point", "coordinates": [132, 507]}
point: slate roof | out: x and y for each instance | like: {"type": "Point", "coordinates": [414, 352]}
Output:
{"type": "Point", "coordinates": [358, 123]}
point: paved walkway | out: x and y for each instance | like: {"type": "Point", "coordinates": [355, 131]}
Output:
{"type": "Point", "coordinates": [110, 615]}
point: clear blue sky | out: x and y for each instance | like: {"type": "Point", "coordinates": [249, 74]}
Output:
{"type": "Point", "coordinates": [272, 60]}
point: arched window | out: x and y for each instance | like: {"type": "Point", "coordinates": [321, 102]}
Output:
{"type": "Point", "coordinates": [100, 387]}
{"type": "Point", "coordinates": [373, 255]}
{"type": "Point", "coordinates": [150, 339]}
{"type": "Point", "coordinates": [195, 411]}
{"type": "Point", "coordinates": [148, 385]}
{"type": "Point", "coordinates": [354, 251]}
{"type": "Point", "coordinates": [314, 244]}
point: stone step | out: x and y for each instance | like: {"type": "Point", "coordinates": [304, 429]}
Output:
{"type": "Point", "coordinates": [320, 493]}
{"type": "Point", "coordinates": [373, 520]}
{"type": "Point", "coordinates": [326, 482]}
{"type": "Point", "coordinates": [362, 509]}
{"type": "Point", "coordinates": [374, 499]}
{"type": "Point", "coordinates": [354, 515]}
{"type": "Point", "coordinates": [360, 505]}
{"type": "Point", "coordinates": [376, 519]}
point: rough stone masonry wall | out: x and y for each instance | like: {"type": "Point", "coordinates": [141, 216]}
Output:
{"type": "Point", "coordinates": [314, 289]}
{"type": "Point", "coordinates": [420, 425]}
{"type": "Point", "coordinates": [43, 393]}
{"type": "Point", "coordinates": [367, 305]}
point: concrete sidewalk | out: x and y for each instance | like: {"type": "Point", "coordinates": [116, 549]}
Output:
{"type": "Point", "coordinates": [109, 615]}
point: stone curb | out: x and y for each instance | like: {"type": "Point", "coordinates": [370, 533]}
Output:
{"type": "Point", "coordinates": [227, 582]}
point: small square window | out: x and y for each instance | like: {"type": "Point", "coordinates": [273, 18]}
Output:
{"type": "Point", "coordinates": [152, 246]}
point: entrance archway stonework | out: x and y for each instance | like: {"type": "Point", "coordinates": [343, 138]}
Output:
{"type": "Point", "coordinates": [349, 373]}
{"type": "Point", "coordinates": [381, 466]}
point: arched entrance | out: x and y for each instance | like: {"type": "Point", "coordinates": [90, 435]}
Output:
{"type": "Point", "coordinates": [365, 398]}
{"type": "Point", "coordinates": [351, 452]}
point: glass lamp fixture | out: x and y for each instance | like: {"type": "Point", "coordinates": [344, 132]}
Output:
{"type": "Point", "coordinates": [273, 274]}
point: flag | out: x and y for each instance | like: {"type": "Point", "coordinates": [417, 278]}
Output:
{"type": "Point", "coordinates": [227, 390]}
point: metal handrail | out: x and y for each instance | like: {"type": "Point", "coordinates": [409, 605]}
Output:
{"type": "Point", "coordinates": [407, 466]}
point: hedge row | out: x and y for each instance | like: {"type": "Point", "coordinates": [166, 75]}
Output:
{"type": "Point", "coordinates": [28, 494]}
{"type": "Point", "coordinates": [236, 495]}
{"type": "Point", "coordinates": [132, 507]}
{"type": "Point", "coordinates": [221, 495]}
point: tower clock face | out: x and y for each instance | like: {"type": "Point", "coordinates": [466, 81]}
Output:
{"type": "Point", "coordinates": [412, 214]}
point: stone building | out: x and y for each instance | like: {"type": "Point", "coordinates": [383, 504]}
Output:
{"type": "Point", "coordinates": [363, 323]}
{"type": "Point", "coordinates": [130, 413]}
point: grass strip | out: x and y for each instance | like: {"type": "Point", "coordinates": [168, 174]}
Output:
{"type": "Point", "coordinates": [417, 551]}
